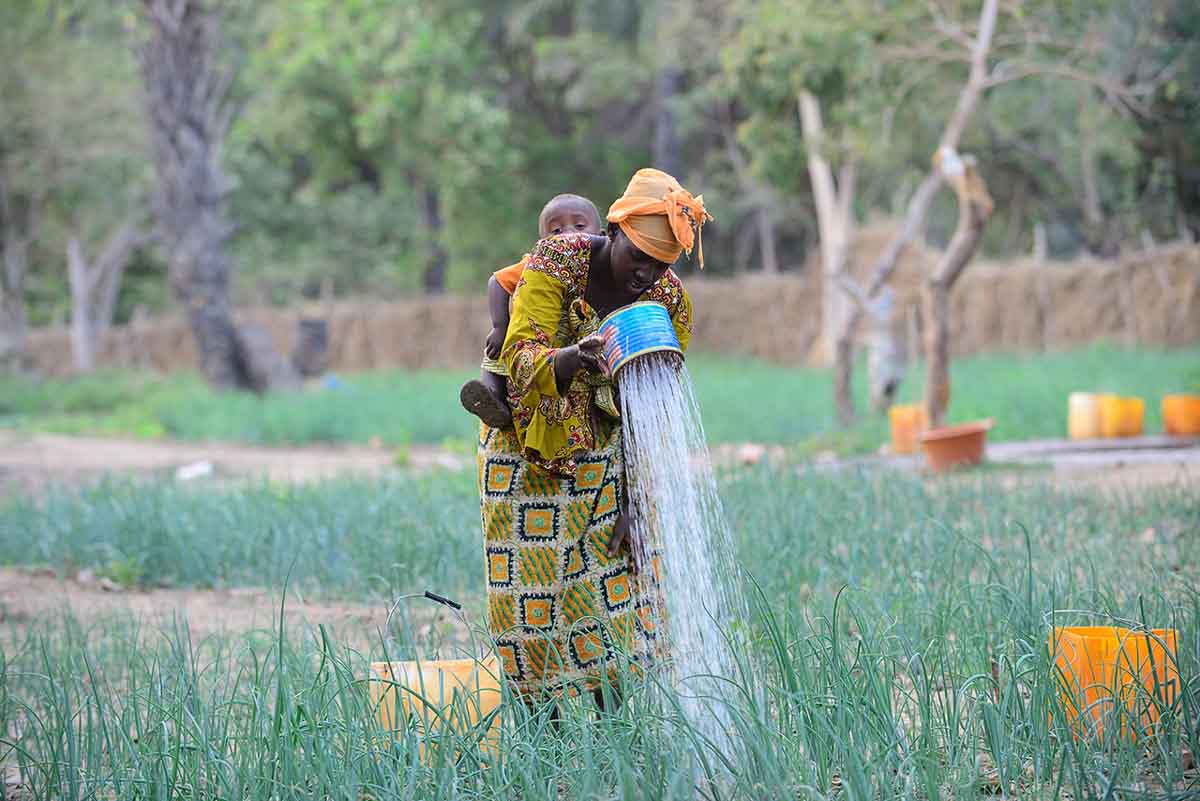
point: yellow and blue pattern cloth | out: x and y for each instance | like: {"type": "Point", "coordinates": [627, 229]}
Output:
{"type": "Point", "coordinates": [563, 613]}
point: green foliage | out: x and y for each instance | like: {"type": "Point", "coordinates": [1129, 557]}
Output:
{"type": "Point", "coordinates": [73, 144]}
{"type": "Point", "coordinates": [377, 137]}
{"type": "Point", "coordinates": [897, 649]}
{"type": "Point", "coordinates": [792, 407]}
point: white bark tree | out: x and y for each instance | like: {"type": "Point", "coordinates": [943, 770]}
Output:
{"type": "Point", "coordinates": [95, 285]}
{"type": "Point", "coordinates": [835, 220]}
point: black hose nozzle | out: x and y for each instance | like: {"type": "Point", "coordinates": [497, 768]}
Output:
{"type": "Point", "coordinates": [433, 596]}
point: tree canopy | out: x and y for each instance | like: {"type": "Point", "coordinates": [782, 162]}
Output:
{"type": "Point", "coordinates": [390, 146]}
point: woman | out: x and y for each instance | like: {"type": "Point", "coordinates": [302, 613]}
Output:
{"type": "Point", "coordinates": [564, 604]}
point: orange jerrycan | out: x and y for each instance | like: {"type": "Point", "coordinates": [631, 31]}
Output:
{"type": "Point", "coordinates": [1083, 415]}
{"type": "Point", "coordinates": [907, 422]}
{"type": "Point", "coordinates": [1112, 676]}
{"type": "Point", "coordinates": [1121, 417]}
{"type": "Point", "coordinates": [1181, 415]}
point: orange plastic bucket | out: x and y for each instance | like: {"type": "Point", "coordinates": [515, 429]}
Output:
{"type": "Point", "coordinates": [1083, 415]}
{"type": "Point", "coordinates": [438, 698]}
{"type": "Point", "coordinates": [1181, 415]}
{"type": "Point", "coordinates": [908, 421]}
{"type": "Point", "coordinates": [1121, 417]}
{"type": "Point", "coordinates": [1111, 674]}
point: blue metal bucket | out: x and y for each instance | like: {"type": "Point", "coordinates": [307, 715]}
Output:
{"type": "Point", "coordinates": [637, 329]}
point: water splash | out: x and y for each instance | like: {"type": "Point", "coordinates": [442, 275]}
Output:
{"type": "Point", "coordinates": [678, 516]}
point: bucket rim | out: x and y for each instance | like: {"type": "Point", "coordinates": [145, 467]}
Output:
{"type": "Point", "coordinates": [633, 305]}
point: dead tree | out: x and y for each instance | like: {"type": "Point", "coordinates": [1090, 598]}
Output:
{"type": "Point", "coordinates": [190, 109]}
{"type": "Point", "coordinates": [974, 209]}
{"type": "Point", "coordinates": [953, 42]}
{"type": "Point", "coordinates": [95, 286]}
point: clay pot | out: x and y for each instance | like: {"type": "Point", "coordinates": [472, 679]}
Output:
{"type": "Point", "coordinates": [955, 446]}
{"type": "Point", "coordinates": [1181, 415]}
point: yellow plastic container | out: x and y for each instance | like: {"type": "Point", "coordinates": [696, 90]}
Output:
{"type": "Point", "coordinates": [1181, 415]}
{"type": "Point", "coordinates": [1109, 674]}
{"type": "Point", "coordinates": [1121, 417]}
{"type": "Point", "coordinates": [1083, 415]}
{"type": "Point", "coordinates": [439, 698]}
{"type": "Point", "coordinates": [907, 421]}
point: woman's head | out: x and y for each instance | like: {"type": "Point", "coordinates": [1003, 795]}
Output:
{"type": "Point", "coordinates": [650, 225]}
{"type": "Point", "coordinates": [633, 269]}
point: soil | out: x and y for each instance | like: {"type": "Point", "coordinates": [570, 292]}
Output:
{"type": "Point", "coordinates": [31, 461]}
{"type": "Point", "coordinates": [30, 596]}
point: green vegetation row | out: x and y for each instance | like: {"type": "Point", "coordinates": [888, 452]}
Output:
{"type": "Point", "coordinates": [897, 649]}
{"type": "Point", "coordinates": [1027, 395]}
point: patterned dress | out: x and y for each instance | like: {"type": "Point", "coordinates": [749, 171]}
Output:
{"type": "Point", "coordinates": [562, 612]}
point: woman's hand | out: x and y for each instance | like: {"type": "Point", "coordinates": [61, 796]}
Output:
{"type": "Point", "coordinates": [622, 537]}
{"type": "Point", "coordinates": [591, 353]}
{"type": "Point", "coordinates": [587, 354]}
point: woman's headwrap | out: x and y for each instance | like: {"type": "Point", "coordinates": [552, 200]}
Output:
{"type": "Point", "coordinates": [660, 217]}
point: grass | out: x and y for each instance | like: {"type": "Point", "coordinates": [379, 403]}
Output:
{"type": "Point", "coordinates": [794, 407]}
{"type": "Point", "coordinates": [898, 648]}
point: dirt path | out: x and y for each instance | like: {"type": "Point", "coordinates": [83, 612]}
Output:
{"type": "Point", "coordinates": [27, 597]}
{"type": "Point", "coordinates": [31, 460]}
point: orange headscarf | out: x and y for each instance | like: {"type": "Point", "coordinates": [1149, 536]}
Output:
{"type": "Point", "coordinates": [660, 216]}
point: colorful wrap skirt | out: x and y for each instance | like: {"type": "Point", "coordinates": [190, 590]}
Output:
{"type": "Point", "coordinates": [564, 615]}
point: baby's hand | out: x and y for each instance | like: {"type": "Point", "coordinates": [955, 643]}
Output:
{"type": "Point", "coordinates": [494, 342]}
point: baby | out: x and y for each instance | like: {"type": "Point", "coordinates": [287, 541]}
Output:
{"type": "Point", "coordinates": [484, 397]}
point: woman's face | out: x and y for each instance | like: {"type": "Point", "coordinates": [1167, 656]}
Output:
{"type": "Point", "coordinates": [633, 270]}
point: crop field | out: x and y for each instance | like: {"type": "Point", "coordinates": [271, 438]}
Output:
{"type": "Point", "coordinates": [897, 647]}
{"type": "Point", "coordinates": [790, 407]}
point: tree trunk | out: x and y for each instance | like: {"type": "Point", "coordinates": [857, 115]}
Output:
{"type": "Point", "coordinates": [835, 221]}
{"type": "Point", "coordinates": [19, 225]}
{"type": "Point", "coordinates": [83, 332]}
{"type": "Point", "coordinates": [886, 361]}
{"type": "Point", "coordinates": [206, 298]}
{"type": "Point", "coordinates": [108, 293]}
{"type": "Point", "coordinates": [188, 103]}
{"type": "Point", "coordinates": [766, 240]}
{"type": "Point", "coordinates": [937, 350]}
{"type": "Point", "coordinates": [94, 289]}
{"type": "Point", "coordinates": [666, 149]}
{"type": "Point", "coordinates": [12, 302]}
{"type": "Point", "coordinates": [974, 208]}
{"type": "Point", "coordinates": [435, 267]}
{"type": "Point", "coordinates": [762, 200]}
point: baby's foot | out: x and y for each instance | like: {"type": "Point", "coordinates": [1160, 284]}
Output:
{"type": "Point", "coordinates": [480, 400]}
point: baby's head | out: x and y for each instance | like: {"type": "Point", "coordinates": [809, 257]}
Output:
{"type": "Point", "coordinates": [568, 214]}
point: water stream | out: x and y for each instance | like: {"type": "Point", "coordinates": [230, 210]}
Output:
{"type": "Point", "coordinates": [678, 519]}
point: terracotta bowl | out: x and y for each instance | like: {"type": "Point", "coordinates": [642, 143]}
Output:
{"type": "Point", "coordinates": [955, 446]}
